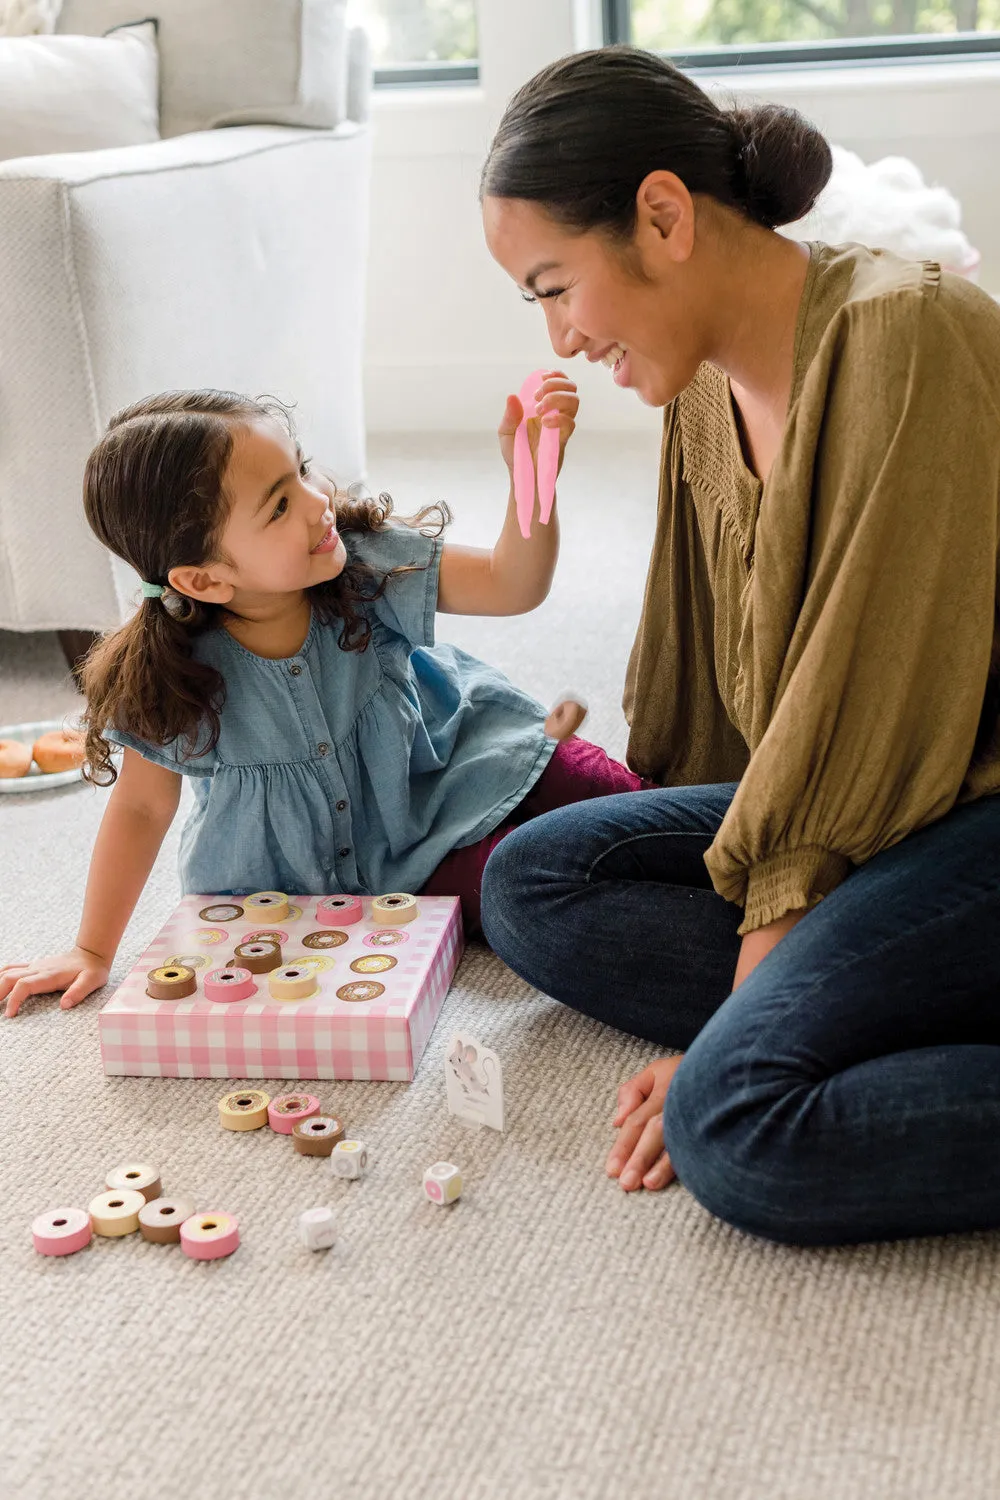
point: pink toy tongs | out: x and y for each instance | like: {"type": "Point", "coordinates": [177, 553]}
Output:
{"type": "Point", "coordinates": [524, 464]}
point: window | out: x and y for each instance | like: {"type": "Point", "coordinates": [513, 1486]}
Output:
{"type": "Point", "coordinates": [418, 41]}
{"type": "Point", "coordinates": [727, 32]}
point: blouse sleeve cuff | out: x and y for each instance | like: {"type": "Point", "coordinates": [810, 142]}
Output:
{"type": "Point", "coordinates": [791, 881]}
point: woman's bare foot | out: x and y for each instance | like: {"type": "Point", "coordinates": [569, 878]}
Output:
{"type": "Point", "coordinates": [637, 1158]}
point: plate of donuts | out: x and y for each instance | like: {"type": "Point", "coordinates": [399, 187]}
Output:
{"type": "Point", "coordinates": [37, 757]}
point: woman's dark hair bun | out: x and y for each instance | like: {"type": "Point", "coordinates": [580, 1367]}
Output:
{"type": "Point", "coordinates": [783, 163]}
{"type": "Point", "coordinates": [582, 134]}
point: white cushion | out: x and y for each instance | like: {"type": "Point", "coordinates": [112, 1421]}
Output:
{"type": "Point", "coordinates": [237, 62]}
{"type": "Point", "coordinates": [76, 93]}
{"type": "Point", "coordinates": [187, 262]}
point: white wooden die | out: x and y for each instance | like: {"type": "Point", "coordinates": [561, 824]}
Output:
{"type": "Point", "coordinates": [349, 1159]}
{"type": "Point", "coordinates": [317, 1228]}
{"type": "Point", "coordinates": [443, 1182]}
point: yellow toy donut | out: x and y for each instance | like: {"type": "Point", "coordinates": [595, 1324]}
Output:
{"type": "Point", "coordinates": [59, 750]}
{"type": "Point", "coordinates": [15, 759]}
{"type": "Point", "coordinates": [266, 906]}
{"type": "Point", "coordinates": [393, 910]}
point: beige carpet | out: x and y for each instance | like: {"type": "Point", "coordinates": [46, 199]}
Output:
{"type": "Point", "coordinates": [546, 1337]}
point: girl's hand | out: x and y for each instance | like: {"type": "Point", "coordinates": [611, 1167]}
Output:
{"type": "Point", "coordinates": [77, 972]}
{"type": "Point", "coordinates": [557, 403]}
{"type": "Point", "coordinates": [638, 1157]}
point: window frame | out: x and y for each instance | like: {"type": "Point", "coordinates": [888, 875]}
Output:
{"type": "Point", "coordinates": [618, 28]}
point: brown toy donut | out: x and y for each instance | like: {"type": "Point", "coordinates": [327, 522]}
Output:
{"type": "Point", "coordinates": [15, 759]}
{"type": "Point", "coordinates": [59, 750]}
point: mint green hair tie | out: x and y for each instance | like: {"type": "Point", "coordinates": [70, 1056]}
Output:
{"type": "Point", "coordinates": [152, 591]}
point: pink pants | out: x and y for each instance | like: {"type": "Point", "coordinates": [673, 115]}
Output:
{"type": "Point", "coordinates": [577, 771]}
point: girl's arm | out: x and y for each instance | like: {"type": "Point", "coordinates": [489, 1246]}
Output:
{"type": "Point", "coordinates": [140, 810]}
{"type": "Point", "coordinates": [514, 577]}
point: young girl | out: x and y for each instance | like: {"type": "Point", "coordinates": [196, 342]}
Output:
{"type": "Point", "coordinates": [283, 658]}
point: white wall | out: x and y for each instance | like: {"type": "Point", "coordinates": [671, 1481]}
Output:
{"type": "Point", "coordinates": [448, 335]}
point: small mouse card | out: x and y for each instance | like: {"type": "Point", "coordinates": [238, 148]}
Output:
{"type": "Point", "coordinates": [474, 1080]}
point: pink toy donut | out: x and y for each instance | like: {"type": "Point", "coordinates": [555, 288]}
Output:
{"type": "Point", "coordinates": [209, 1236]}
{"type": "Point", "coordinates": [339, 911]}
{"type": "Point", "coordinates": [229, 984]}
{"type": "Point", "coordinates": [62, 1232]}
{"type": "Point", "coordinates": [285, 1112]}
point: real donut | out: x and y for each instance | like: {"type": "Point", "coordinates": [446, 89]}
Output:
{"type": "Point", "coordinates": [116, 1213]}
{"type": "Point", "coordinates": [137, 1177]}
{"type": "Point", "coordinates": [59, 750]}
{"type": "Point", "coordinates": [61, 1232]}
{"type": "Point", "coordinates": [317, 1135]}
{"type": "Point", "coordinates": [285, 1112]}
{"type": "Point", "coordinates": [172, 982]}
{"type": "Point", "coordinates": [244, 1109]}
{"type": "Point", "coordinates": [209, 1236]}
{"type": "Point", "coordinates": [160, 1222]}
{"type": "Point", "coordinates": [15, 760]}
{"type": "Point", "coordinates": [394, 909]}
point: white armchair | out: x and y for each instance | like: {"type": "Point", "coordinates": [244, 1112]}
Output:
{"type": "Point", "coordinates": [229, 257]}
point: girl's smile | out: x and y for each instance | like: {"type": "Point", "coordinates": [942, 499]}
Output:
{"type": "Point", "coordinates": [329, 541]}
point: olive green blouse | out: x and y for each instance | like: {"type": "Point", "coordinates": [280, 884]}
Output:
{"type": "Point", "coordinates": [831, 638]}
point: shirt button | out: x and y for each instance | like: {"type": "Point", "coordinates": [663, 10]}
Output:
{"type": "Point", "coordinates": [323, 748]}
{"type": "Point", "coordinates": [295, 671]}
{"type": "Point", "coordinates": [341, 805]}
{"type": "Point", "coordinates": [343, 853]}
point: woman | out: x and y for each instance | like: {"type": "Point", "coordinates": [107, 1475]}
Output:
{"type": "Point", "coordinates": [811, 903]}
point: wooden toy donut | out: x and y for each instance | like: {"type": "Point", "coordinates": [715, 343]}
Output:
{"type": "Point", "coordinates": [137, 1176]}
{"type": "Point", "coordinates": [266, 906]}
{"type": "Point", "coordinates": [209, 1236]}
{"type": "Point", "coordinates": [260, 956]}
{"type": "Point", "coordinates": [244, 1109]}
{"type": "Point", "coordinates": [317, 1135]}
{"type": "Point", "coordinates": [61, 1232]}
{"type": "Point", "coordinates": [291, 983]}
{"type": "Point", "coordinates": [339, 911]}
{"type": "Point", "coordinates": [59, 750]}
{"type": "Point", "coordinates": [285, 1112]}
{"type": "Point", "coordinates": [229, 984]}
{"type": "Point", "coordinates": [160, 1222]}
{"type": "Point", "coordinates": [393, 910]}
{"type": "Point", "coordinates": [15, 760]}
{"type": "Point", "coordinates": [116, 1213]}
{"type": "Point", "coordinates": [173, 982]}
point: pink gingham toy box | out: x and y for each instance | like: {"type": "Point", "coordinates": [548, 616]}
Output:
{"type": "Point", "coordinates": [395, 979]}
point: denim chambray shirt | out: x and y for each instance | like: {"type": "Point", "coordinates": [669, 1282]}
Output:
{"type": "Point", "coordinates": [354, 771]}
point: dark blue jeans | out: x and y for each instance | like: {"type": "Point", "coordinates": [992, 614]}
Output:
{"type": "Point", "coordinates": [849, 1089]}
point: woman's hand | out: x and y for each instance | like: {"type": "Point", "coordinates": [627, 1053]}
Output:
{"type": "Point", "coordinates": [77, 972]}
{"type": "Point", "coordinates": [637, 1157]}
{"type": "Point", "coordinates": [557, 403]}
